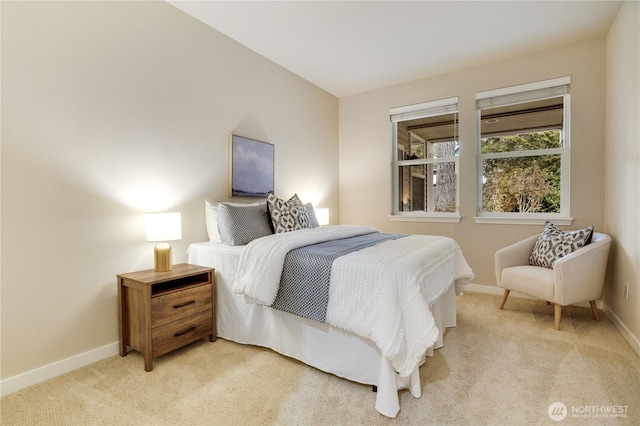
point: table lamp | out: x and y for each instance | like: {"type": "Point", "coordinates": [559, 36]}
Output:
{"type": "Point", "coordinates": [163, 227]}
{"type": "Point", "coordinates": [322, 214]}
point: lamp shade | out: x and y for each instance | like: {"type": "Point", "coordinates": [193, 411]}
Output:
{"type": "Point", "coordinates": [163, 226]}
{"type": "Point", "coordinates": [322, 214]}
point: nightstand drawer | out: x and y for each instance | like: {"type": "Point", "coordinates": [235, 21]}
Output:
{"type": "Point", "coordinates": [180, 333]}
{"type": "Point", "coordinates": [180, 304]}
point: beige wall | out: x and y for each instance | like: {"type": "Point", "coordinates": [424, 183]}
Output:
{"type": "Point", "coordinates": [365, 148]}
{"type": "Point", "coordinates": [623, 168]}
{"type": "Point", "coordinates": [111, 109]}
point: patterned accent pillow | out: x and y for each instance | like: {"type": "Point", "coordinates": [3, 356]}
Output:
{"type": "Point", "coordinates": [241, 225]}
{"type": "Point", "coordinates": [287, 215]}
{"type": "Point", "coordinates": [554, 244]}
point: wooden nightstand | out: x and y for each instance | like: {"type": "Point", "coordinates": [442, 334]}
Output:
{"type": "Point", "coordinates": [162, 311]}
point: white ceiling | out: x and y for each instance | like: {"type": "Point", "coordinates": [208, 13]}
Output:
{"type": "Point", "coordinates": [350, 47]}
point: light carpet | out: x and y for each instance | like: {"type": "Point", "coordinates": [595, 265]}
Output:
{"type": "Point", "coordinates": [496, 368]}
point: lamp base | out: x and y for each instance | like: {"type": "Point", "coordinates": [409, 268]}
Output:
{"type": "Point", "coordinates": [162, 257]}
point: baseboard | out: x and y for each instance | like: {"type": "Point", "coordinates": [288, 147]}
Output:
{"type": "Point", "coordinates": [487, 289]}
{"type": "Point", "coordinates": [633, 340]}
{"type": "Point", "coordinates": [29, 378]}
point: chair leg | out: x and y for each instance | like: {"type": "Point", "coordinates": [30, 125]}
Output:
{"type": "Point", "coordinates": [594, 310]}
{"type": "Point", "coordinates": [504, 298]}
{"type": "Point", "coordinates": [557, 317]}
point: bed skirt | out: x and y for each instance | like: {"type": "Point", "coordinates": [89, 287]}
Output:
{"type": "Point", "coordinates": [319, 345]}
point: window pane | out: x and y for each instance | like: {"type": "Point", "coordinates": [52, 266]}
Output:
{"type": "Point", "coordinates": [423, 137]}
{"type": "Point", "coordinates": [412, 188]}
{"type": "Point", "coordinates": [444, 149]}
{"type": "Point", "coordinates": [529, 117]}
{"type": "Point", "coordinates": [417, 146]}
{"type": "Point", "coordinates": [426, 134]}
{"type": "Point", "coordinates": [445, 184]}
{"type": "Point", "coordinates": [428, 187]}
{"type": "Point", "coordinates": [521, 185]}
{"type": "Point", "coordinates": [521, 142]}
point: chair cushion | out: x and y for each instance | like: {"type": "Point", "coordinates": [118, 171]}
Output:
{"type": "Point", "coordinates": [554, 244]}
{"type": "Point", "coordinates": [530, 280]}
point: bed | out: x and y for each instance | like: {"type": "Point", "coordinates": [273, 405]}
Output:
{"type": "Point", "coordinates": [380, 340]}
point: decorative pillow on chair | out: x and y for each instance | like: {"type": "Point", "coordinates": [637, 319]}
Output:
{"type": "Point", "coordinates": [554, 244]}
{"type": "Point", "coordinates": [287, 215]}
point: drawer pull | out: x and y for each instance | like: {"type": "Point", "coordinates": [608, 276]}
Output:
{"type": "Point", "coordinates": [182, 333]}
{"type": "Point", "coordinates": [182, 305]}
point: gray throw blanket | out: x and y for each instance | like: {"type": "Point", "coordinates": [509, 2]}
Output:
{"type": "Point", "coordinates": [306, 275]}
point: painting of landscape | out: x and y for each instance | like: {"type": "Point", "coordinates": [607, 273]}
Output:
{"type": "Point", "coordinates": [252, 164]}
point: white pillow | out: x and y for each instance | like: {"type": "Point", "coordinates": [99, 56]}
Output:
{"type": "Point", "coordinates": [211, 217]}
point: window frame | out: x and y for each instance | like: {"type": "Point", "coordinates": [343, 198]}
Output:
{"type": "Point", "coordinates": [519, 94]}
{"type": "Point", "coordinates": [411, 112]}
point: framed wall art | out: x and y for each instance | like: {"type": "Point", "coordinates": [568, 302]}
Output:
{"type": "Point", "coordinates": [252, 164]}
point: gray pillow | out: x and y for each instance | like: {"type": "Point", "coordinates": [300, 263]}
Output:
{"type": "Point", "coordinates": [241, 225]}
{"type": "Point", "coordinates": [313, 220]}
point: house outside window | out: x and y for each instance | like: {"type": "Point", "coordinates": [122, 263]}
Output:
{"type": "Point", "coordinates": [523, 153]}
{"type": "Point", "coordinates": [425, 164]}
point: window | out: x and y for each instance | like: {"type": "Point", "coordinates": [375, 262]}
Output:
{"type": "Point", "coordinates": [523, 153]}
{"type": "Point", "coordinates": [425, 161]}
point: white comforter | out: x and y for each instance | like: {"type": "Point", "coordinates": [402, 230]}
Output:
{"type": "Point", "coordinates": [381, 293]}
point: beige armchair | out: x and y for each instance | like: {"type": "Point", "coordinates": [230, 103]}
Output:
{"type": "Point", "coordinates": [575, 278]}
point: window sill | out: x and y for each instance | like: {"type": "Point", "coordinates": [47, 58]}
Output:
{"type": "Point", "coordinates": [444, 218]}
{"type": "Point", "coordinates": [522, 220]}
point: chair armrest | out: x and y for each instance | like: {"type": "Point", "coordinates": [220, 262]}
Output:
{"type": "Point", "coordinates": [514, 255]}
{"type": "Point", "coordinates": [579, 276]}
